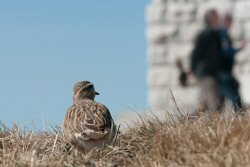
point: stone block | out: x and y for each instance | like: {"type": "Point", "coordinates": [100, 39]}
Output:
{"type": "Point", "coordinates": [180, 12]}
{"type": "Point", "coordinates": [186, 99]}
{"type": "Point", "coordinates": [237, 31]}
{"type": "Point", "coordinates": [188, 32]}
{"type": "Point", "coordinates": [180, 8]}
{"type": "Point", "coordinates": [245, 88]}
{"type": "Point", "coordinates": [156, 13]}
{"type": "Point", "coordinates": [158, 98]}
{"type": "Point", "coordinates": [178, 50]}
{"type": "Point", "coordinates": [241, 10]}
{"type": "Point", "coordinates": [157, 54]}
{"type": "Point", "coordinates": [244, 54]}
{"type": "Point", "coordinates": [242, 66]}
{"type": "Point", "coordinates": [163, 76]}
{"type": "Point", "coordinates": [160, 33]}
{"type": "Point", "coordinates": [247, 31]}
{"type": "Point", "coordinates": [168, 54]}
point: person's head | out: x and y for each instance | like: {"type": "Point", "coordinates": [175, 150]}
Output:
{"type": "Point", "coordinates": [228, 20]}
{"type": "Point", "coordinates": [211, 19]}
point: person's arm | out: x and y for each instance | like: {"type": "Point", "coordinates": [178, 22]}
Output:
{"type": "Point", "coordinates": [230, 51]}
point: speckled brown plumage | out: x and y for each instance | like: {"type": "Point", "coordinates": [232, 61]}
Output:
{"type": "Point", "coordinates": [88, 124]}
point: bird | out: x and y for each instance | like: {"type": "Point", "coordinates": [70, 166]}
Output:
{"type": "Point", "coordinates": [88, 124]}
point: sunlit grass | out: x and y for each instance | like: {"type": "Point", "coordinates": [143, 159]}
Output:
{"type": "Point", "coordinates": [203, 140]}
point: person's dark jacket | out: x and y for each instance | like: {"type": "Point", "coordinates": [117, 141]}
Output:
{"type": "Point", "coordinates": [206, 55]}
{"type": "Point", "coordinates": [228, 51]}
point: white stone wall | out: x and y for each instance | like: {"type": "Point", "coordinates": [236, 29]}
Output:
{"type": "Point", "coordinates": [172, 28]}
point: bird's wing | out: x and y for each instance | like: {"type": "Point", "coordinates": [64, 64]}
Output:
{"type": "Point", "coordinates": [90, 122]}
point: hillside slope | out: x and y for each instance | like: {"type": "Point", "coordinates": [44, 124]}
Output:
{"type": "Point", "coordinates": [204, 140]}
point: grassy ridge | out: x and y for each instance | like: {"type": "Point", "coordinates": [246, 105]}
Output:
{"type": "Point", "coordinates": [204, 140]}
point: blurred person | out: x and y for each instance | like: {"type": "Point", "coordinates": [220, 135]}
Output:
{"type": "Point", "coordinates": [228, 84]}
{"type": "Point", "coordinates": [205, 61]}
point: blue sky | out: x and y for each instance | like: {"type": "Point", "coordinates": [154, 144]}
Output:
{"type": "Point", "coordinates": [47, 46]}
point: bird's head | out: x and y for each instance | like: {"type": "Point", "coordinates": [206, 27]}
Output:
{"type": "Point", "coordinates": [84, 90]}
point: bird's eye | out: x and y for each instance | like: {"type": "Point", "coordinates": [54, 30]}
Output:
{"type": "Point", "coordinates": [91, 87]}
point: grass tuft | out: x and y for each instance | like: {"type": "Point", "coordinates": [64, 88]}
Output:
{"type": "Point", "coordinates": [203, 140]}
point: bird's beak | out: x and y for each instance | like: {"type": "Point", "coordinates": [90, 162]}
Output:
{"type": "Point", "coordinates": [97, 93]}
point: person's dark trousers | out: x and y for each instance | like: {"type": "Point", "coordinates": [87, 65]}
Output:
{"type": "Point", "coordinates": [229, 89]}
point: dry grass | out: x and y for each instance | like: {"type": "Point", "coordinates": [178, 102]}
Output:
{"type": "Point", "coordinates": [205, 140]}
